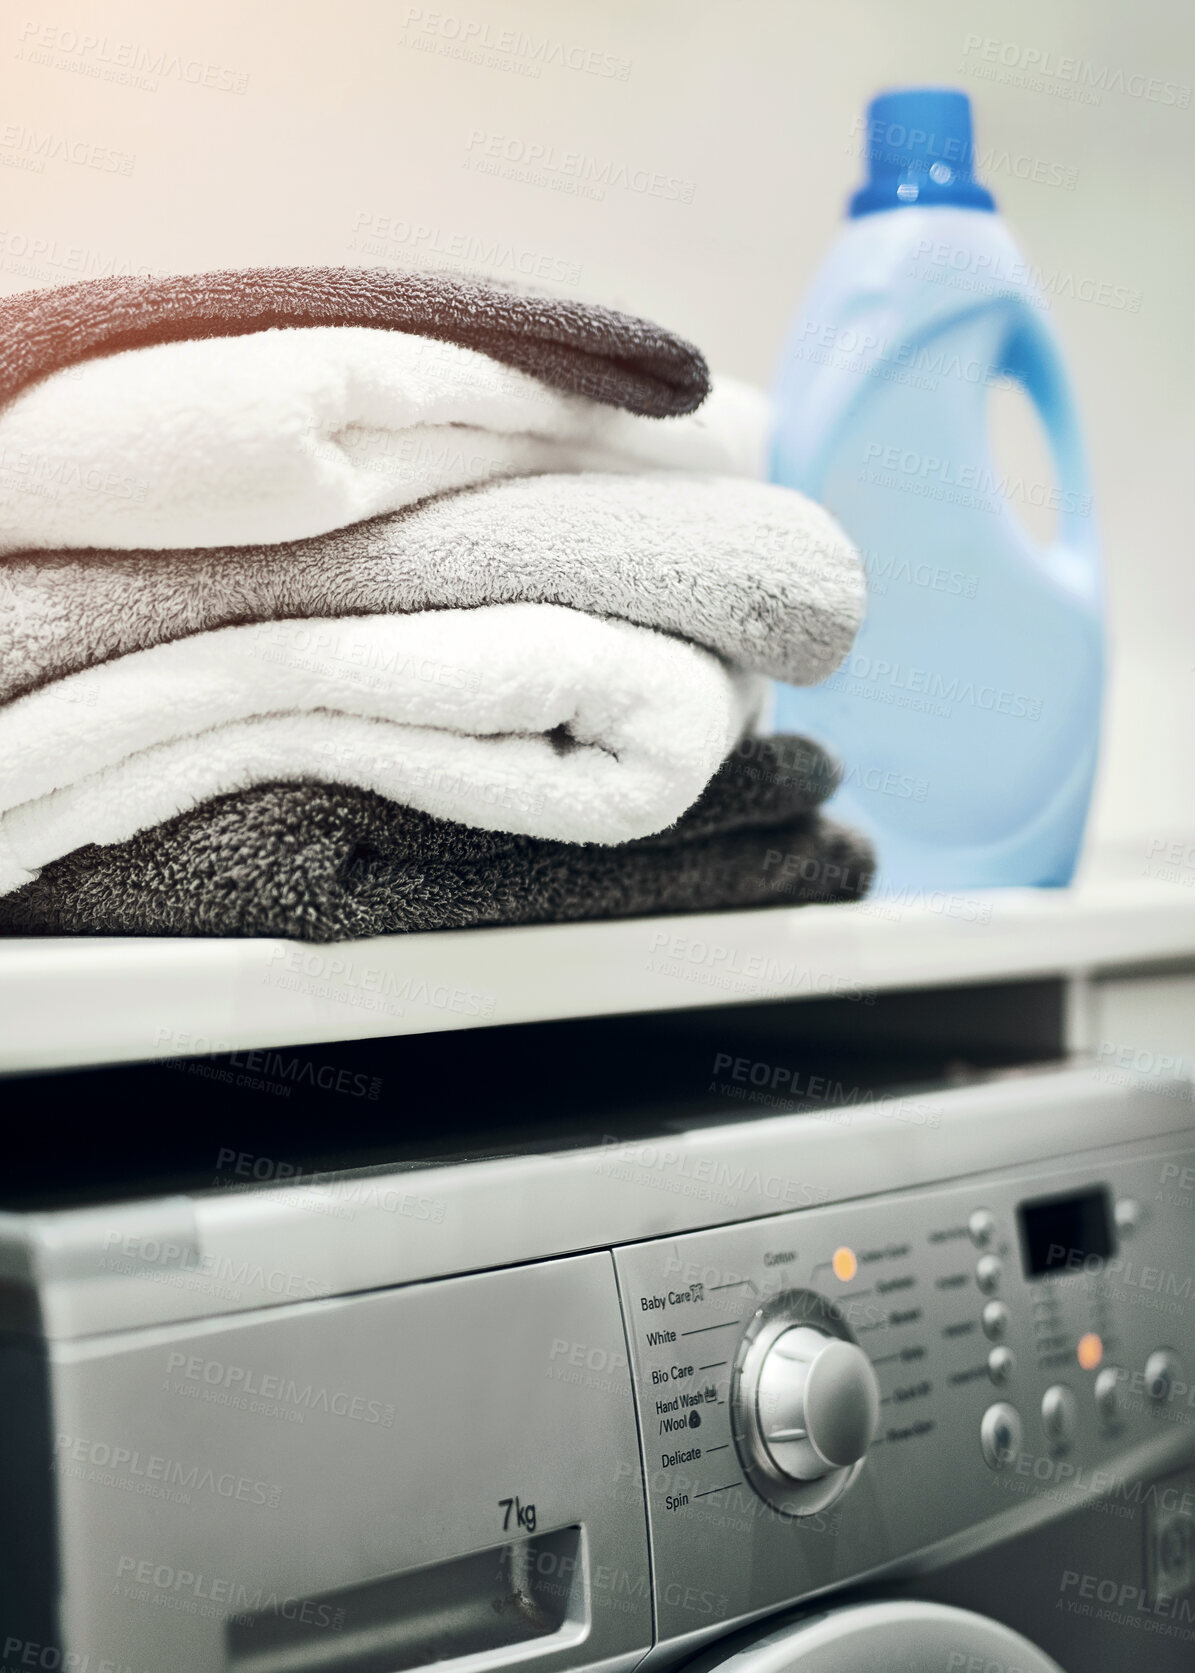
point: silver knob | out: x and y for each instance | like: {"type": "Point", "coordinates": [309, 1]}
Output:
{"type": "Point", "coordinates": [1002, 1362]}
{"type": "Point", "coordinates": [818, 1402]}
{"type": "Point", "coordinates": [1107, 1392]}
{"type": "Point", "coordinates": [995, 1317]}
{"type": "Point", "coordinates": [804, 1403]}
{"type": "Point", "coordinates": [1000, 1434]}
{"type": "Point", "coordinates": [1059, 1414]}
{"type": "Point", "coordinates": [1163, 1370]}
{"type": "Point", "coordinates": [982, 1227]}
{"type": "Point", "coordinates": [1127, 1214]}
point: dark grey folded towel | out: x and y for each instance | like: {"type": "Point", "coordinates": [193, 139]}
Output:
{"type": "Point", "coordinates": [587, 350]}
{"type": "Point", "coordinates": [326, 863]}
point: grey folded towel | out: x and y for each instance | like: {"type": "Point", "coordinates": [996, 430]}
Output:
{"type": "Point", "coordinates": [756, 573]}
{"type": "Point", "coordinates": [325, 863]}
{"type": "Point", "coordinates": [588, 350]}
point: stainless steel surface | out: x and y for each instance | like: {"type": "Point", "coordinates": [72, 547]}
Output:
{"type": "Point", "coordinates": [258, 1468]}
{"type": "Point", "coordinates": [592, 1411]}
{"type": "Point", "coordinates": [940, 1473]}
{"type": "Point", "coordinates": [88, 1271]}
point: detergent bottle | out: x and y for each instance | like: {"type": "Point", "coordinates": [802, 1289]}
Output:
{"type": "Point", "coordinates": [967, 714]}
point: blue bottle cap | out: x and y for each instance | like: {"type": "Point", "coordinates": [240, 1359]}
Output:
{"type": "Point", "coordinates": [919, 153]}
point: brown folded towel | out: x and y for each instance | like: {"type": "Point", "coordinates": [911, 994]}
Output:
{"type": "Point", "coordinates": [587, 350]}
{"type": "Point", "coordinates": [323, 862]}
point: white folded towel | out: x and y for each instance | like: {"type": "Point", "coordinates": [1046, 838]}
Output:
{"type": "Point", "coordinates": [531, 718]}
{"type": "Point", "coordinates": [235, 441]}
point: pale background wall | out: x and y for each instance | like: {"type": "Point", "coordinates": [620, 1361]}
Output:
{"type": "Point", "coordinates": [326, 124]}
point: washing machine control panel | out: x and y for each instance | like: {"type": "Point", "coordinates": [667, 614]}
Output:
{"type": "Point", "coordinates": [826, 1392]}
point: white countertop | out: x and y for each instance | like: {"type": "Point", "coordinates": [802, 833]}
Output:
{"type": "Point", "coordinates": [69, 1001]}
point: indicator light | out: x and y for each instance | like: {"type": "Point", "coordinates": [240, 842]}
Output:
{"type": "Point", "coordinates": [845, 1264]}
{"type": "Point", "coordinates": [1091, 1351]}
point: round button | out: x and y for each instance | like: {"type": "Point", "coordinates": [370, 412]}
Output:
{"type": "Point", "coordinates": [995, 1321]}
{"type": "Point", "coordinates": [804, 1403]}
{"type": "Point", "coordinates": [989, 1270]}
{"type": "Point", "coordinates": [1059, 1414]}
{"type": "Point", "coordinates": [1127, 1214]}
{"type": "Point", "coordinates": [1174, 1555]}
{"type": "Point", "coordinates": [1107, 1392]}
{"type": "Point", "coordinates": [982, 1227]}
{"type": "Point", "coordinates": [1000, 1434]}
{"type": "Point", "coordinates": [1001, 1364]}
{"type": "Point", "coordinates": [818, 1401]}
{"type": "Point", "coordinates": [1162, 1370]}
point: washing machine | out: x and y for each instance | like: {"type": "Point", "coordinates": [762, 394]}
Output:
{"type": "Point", "coordinates": [904, 1386]}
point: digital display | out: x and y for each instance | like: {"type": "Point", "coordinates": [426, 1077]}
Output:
{"type": "Point", "coordinates": [1066, 1234]}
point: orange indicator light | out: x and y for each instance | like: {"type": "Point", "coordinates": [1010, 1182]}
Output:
{"type": "Point", "coordinates": [845, 1264]}
{"type": "Point", "coordinates": [1091, 1351]}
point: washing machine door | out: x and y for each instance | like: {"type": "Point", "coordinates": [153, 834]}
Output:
{"type": "Point", "coordinates": [897, 1637]}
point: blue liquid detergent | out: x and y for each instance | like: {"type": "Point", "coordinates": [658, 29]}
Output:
{"type": "Point", "coordinates": [967, 715]}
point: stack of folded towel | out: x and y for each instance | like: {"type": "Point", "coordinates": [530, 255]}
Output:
{"type": "Point", "coordinates": [339, 603]}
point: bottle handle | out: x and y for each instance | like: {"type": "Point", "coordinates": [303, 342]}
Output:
{"type": "Point", "coordinates": [1030, 356]}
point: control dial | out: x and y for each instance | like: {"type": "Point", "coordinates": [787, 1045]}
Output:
{"type": "Point", "coordinates": [806, 1403]}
